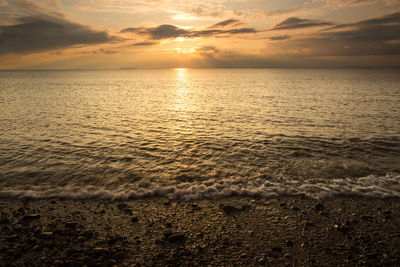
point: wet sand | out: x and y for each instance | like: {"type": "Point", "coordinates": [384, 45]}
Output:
{"type": "Point", "coordinates": [234, 231]}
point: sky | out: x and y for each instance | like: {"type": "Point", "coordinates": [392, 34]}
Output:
{"type": "Point", "coordinates": [109, 34]}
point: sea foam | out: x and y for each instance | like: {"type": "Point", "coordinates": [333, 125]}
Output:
{"type": "Point", "coordinates": [370, 186]}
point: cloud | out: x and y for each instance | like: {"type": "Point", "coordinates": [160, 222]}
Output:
{"type": "Point", "coordinates": [168, 31]}
{"type": "Point", "coordinates": [161, 32]}
{"type": "Point", "coordinates": [297, 23]}
{"type": "Point", "coordinates": [225, 23]}
{"type": "Point", "coordinates": [389, 19]}
{"type": "Point", "coordinates": [104, 51]}
{"type": "Point", "coordinates": [41, 33]}
{"type": "Point", "coordinates": [279, 37]}
{"type": "Point", "coordinates": [351, 3]}
{"type": "Point", "coordinates": [99, 51]}
{"type": "Point", "coordinates": [145, 43]}
{"type": "Point", "coordinates": [39, 7]}
{"type": "Point", "coordinates": [253, 13]}
{"type": "Point", "coordinates": [376, 36]}
{"type": "Point", "coordinates": [208, 51]}
{"type": "Point", "coordinates": [199, 8]}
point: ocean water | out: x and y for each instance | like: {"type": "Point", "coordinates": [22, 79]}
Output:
{"type": "Point", "coordinates": [199, 133]}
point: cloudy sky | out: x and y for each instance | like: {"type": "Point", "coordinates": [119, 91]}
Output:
{"type": "Point", "coordinates": [70, 34]}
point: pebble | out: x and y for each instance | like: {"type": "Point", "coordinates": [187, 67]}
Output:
{"type": "Point", "coordinates": [275, 252]}
{"type": "Point", "coordinates": [71, 225]}
{"type": "Point", "coordinates": [30, 217]}
{"type": "Point", "coordinates": [127, 211]}
{"type": "Point", "coordinates": [167, 233]}
{"type": "Point", "coordinates": [45, 234]}
{"type": "Point", "coordinates": [229, 209]}
{"type": "Point", "coordinates": [341, 227]}
{"type": "Point", "coordinates": [319, 207]}
{"type": "Point", "coordinates": [176, 238]}
{"type": "Point", "coordinates": [261, 261]}
{"type": "Point", "coordinates": [100, 250]}
{"type": "Point", "coordinates": [122, 206]}
{"type": "Point", "coordinates": [289, 243]}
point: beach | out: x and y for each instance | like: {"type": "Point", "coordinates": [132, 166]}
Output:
{"type": "Point", "coordinates": [284, 231]}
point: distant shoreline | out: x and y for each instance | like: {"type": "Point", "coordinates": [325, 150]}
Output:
{"type": "Point", "coordinates": [254, 68]}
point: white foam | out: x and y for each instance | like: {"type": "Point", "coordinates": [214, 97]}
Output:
{"type": "Point", "coordinates": [369, 186]}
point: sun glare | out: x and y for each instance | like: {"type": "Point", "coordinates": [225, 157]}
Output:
{"type": "Point", "coordinates": [183, 17]}
{"type": "Point", "coordinates": [187, 50]}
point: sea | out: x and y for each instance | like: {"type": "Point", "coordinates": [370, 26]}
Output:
{"type": "Point", "coordinates": [199, 133]}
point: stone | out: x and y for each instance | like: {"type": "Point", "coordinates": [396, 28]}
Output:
{"type": "Point", "coordinates": [276, 252]}
{"type": "Point", "coordinates": [58, 263]}
{"type": "Point", "coordinates": [289, 243]}
{"type": "Point", "coordinates": [195, 207]}
{"type": "Point", "coordinates": [387, 214]}
{"type": "Point", "coordinates": [261, 261]}
{"type": "Point", "coordinates": [319, 207]}
{"type": "Point", "coordinates": [167, 233]}
{"type": "Point", "coordinates": [100, 250]}
{"type": "Point", "coordinates": [128, 211]}
{"type": "Point", "coordinates": [229, 209]}
{"type": "Point", "coordinates": [30, 217]}
{"type": "Point", "coordinates": [367, 218]}
{"type": "Point", "coordinates": [287, 256]}
{"type": "Point", "coordinates": [176, 238]}
{"type": "Point", "coordinates": [341, 227]}
{"type": "Point", "coordinates": [245, 207]}
{"type": "Point", "coordinates": [88, 234]}
{"type": "Point", "coordinates": [45, 235]}
{"type": "Point", "coordinates": [71, 225]}
{"type": "Point", "coordinates": [122, 206]}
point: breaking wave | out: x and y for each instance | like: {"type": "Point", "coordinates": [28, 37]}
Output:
{"type": "Point", "coordinates": [369, 186]}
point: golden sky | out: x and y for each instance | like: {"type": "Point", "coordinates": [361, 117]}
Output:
{"type": "Point", "coordinates": [102, 34]}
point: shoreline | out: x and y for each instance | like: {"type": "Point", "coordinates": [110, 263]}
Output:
{"type": "Point", "coordinates": [290, 230]}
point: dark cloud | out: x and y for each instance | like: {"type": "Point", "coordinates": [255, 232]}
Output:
{"type": "Point", "coordinates": [241, 30]}
{"type": "Point", "coordinates": [389, 19]}
{"type": "Point", "coordinates": [225, 23]}
{"type": "Point", "coordinates": [167, 31]}
{"type": "Point", "coordinates": [99, 51]}
{"type": "Point", "coordinates": [145, 43]}
{"type": "Point", "coordinates": [208, 51]}
{"type": "Point", "coordinates": [296, 23]}
{"type": "Point", "coordinates": [279, 38]}
{"type": "Point", "coordinates": [34, 33]}
{"type": "Point", "coordinates": [161, 32]}
{"type": "Point", "coordinates": [377, 36]}
{"type": "Point", "coordinates": [104, 51]}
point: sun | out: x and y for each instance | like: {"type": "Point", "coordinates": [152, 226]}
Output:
{"type": "Point", "coordinates": [180, 39]}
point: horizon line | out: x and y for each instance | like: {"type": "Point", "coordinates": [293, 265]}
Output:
{"type": "Point", "coordinates": [162, 68]}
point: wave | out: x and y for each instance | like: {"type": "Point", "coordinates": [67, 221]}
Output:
{"type": "Point", "coordinates": [373, 186]}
